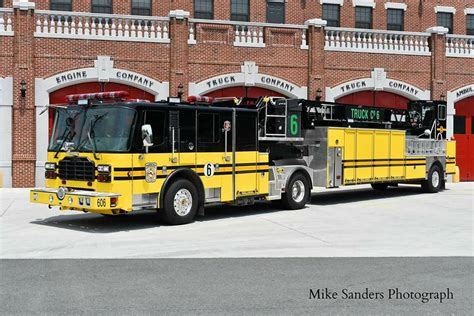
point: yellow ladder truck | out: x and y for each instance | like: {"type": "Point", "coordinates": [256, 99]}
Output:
{"type": "Point", "coordinates": [111, 156]}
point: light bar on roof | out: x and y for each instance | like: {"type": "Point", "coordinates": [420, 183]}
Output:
{"type": "Point", "coordinates": [200, 99]}
{"type": "Point", "coordinates": [97, 96]}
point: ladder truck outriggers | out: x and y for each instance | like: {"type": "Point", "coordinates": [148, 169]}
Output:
{"type": "Point", "coordinates": [110, 155]}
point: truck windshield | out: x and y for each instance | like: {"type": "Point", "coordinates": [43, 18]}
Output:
{"type": "Point", "coordinates": [100, 129]}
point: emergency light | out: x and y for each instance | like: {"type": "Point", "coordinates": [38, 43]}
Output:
{"type": "Point", "coordinates": [200, 99]}
{"type": "Point", "coordinates": [112, 95]}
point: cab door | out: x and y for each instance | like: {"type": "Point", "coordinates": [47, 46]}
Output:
{"type": "Point", "coordinates": [214, 157]}
{"type": "Point", "coordinates": [246, 154]}
{"type": "Point", "coordinates": [151, 168]}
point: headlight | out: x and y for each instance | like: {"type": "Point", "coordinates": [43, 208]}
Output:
{"type": "Point", "coordinates": [50, 166]}
{"type": "Point", "coordinates": [61, 193]}
{"type": "Point", "coordinates": [103, 168]}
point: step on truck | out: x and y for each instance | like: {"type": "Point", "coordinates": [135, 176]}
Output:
{"type": "Point", "coordinates": [111, 156]}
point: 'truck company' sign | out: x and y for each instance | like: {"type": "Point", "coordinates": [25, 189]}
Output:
{"type": "Point", "coordinates": [403, 87]}
{"type": "Point", "coordinates": [378, 81]}
{"type": "Point", "coordinates": [277, 83]}
{"type": "Point", "coordinates": [220, 81]}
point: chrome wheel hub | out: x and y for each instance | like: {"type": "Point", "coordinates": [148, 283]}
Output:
{"type": "Point", "coordinates": [298, 191]}
{"type": "Point", "coordinates": [435, 179]}
{"type": "Point", "coordinates": [183, 202]}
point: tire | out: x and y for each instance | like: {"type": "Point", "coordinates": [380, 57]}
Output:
{"type": "Point", "coordinates": [297, 192]}
{"type": "Point", "coordinates": [180, 203]}
{"type": "Point", "coordinates": [380, 186]}
{"type": "Point", "coordinates": [434, 183]}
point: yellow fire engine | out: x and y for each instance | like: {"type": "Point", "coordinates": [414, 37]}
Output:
{"type": "Point", "coordinates": [111, 156]}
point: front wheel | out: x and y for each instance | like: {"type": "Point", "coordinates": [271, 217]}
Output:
{"type": "Point", "coordinates": [180, 203]}
{"type": "Point", "coordinates": [297, 192]}
{"type": "Point", "coordinates": [434, 182]}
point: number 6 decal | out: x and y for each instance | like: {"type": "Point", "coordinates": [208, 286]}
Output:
{"type": "Point", "coordinates": [209, 169]}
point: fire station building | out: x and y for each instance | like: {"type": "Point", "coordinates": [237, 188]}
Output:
{"type": "Point", "coordinates": [371, 52]}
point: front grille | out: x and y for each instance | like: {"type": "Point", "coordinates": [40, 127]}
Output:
{"type": "Point", "coordinates": [76, 168]}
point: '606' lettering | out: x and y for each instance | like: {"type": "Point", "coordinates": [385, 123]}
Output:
{"type": "Point", "coordinates": [101, 203]}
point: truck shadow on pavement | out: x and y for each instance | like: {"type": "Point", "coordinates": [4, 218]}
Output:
{"type": "Point", "coordinates": [95, 223]}
{"type": "Point", "coordinates": [362, 194]}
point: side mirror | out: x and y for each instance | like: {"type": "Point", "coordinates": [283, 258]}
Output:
{"type": "Point", "coordinates": [147, 135]}
{"type": "Point", "coordinates": [441, 112]}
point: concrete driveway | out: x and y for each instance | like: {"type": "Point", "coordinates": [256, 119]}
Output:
{"type": "Point", "coordinates": [354, 222]}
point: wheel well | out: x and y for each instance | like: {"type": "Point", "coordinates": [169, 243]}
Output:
{"type": "Point", "coordinates": [187, 174]}
{"type": "Point", "coordinates": [304, 173]}
{"type": "Point", "coordinates": [437, 163]}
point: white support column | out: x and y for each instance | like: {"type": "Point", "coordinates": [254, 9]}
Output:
{"type": "Point", "coordinates": [6, 137]}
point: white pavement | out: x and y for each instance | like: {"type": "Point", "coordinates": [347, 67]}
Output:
{"type": "Point", "coordinates": [355, 222]}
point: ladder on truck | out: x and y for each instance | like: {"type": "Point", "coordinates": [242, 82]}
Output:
{"type": "Point", "coordinates": [275, 122]}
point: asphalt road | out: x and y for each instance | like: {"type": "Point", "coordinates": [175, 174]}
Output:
{"type": "Point", "coordinates": [232, 286]}
{"type": "Point", "coordinates": [357, 222]}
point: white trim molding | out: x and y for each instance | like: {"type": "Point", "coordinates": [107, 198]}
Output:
{"type": "Point", "coordinates": [363, 3]}
{"type": "Point", "coordinates": [378, 81]}
{"type": "Point", "coordinates": [249, 76]}
{"type": "Point", "coordinates": [468, 11]}
{"type": "Point", "coordinates": [451, 99]}
{"type": "Point", "coordinates": [23, 5]}
{"type": "Point", "coordinates": [178, 14]}
{"type": "Point", "coordinates": [440, 8]}
{"type": "Point", "coordinates": [395, 5]}
{"type": "Point", "coordinates": [316, 22]}
{"type": "Point", "coordinates": [339, 2]}
{"type": "Point", "coordinates": [437, 30]}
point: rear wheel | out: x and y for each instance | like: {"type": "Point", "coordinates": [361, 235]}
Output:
{"type": "Point", "coordinates": [180, 203]}
{"type": "Point", "coordinates": [434, 183]}
{"type": "Point", "coordinates": [379, 186]}
{"type": "Point", "coordinates": [297, 192]}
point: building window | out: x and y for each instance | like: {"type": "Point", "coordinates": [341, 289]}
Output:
{"type": "Point", "coordinates": [363, 17]}
{"type": "Point", "coordinates": [102, 6]}
{"type": "Point", "coordinates": [204, 9]}
{"type": "Point", "coordinates": [141, 7]}
{"type": "Point", "coordinates": [445, 19]}
{"type": "Point", "coordinates": [459, 124]}
{"type": "Point", "coordinates": [395, 20]}
{"type": "Point", "coordinates": [470, 24]}
{"type": "Point", "coordinates": [239, 10]}
{"type": "Point", "coordinates": [61, 5]}
{"type": "Point", "coordinates": [332, 14]}
{"type": "Point", "coordinates": [1, 3]}
{"type": "Point", "coordinates": [276, 11]}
